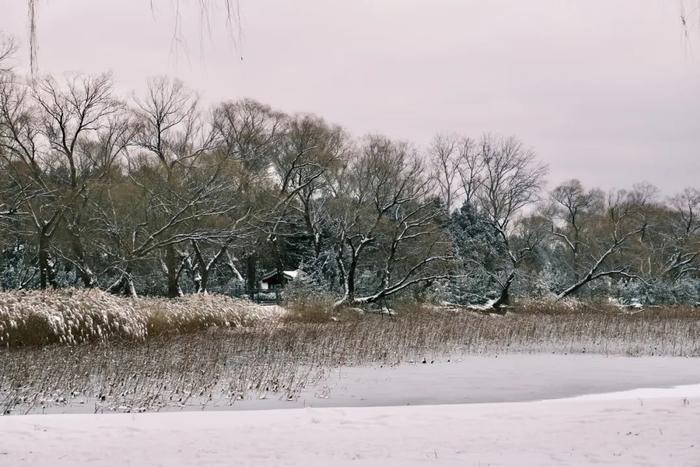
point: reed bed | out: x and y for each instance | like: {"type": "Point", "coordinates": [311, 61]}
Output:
{"type": "Point", "coordinates": [279, 358]}
{"type": "Point", "coordinates": [76, 316]}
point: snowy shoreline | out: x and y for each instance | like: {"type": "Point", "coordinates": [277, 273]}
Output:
{"type": "Point", "coordinates": [513, 409]}
{"type": "Point", "coordinates": [633, 428]}
{"type": "Point", "coordinates": [510, 409]}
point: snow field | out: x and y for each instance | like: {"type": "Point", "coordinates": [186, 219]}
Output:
{"type": "Point", "coordinates": [656, 429]}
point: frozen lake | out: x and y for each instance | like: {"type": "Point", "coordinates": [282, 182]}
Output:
{"type": "Point", "coordinates": [458, 380]}
{"type": "Point", "coordinates": [484, 379]}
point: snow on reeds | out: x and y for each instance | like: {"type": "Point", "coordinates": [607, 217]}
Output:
{"type": "Point", "coordinates": [219, 367]}
{"type": "Point", "coordinates": [75, 316]}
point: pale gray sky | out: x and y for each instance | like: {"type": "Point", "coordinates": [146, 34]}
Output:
{"type": "Point", "coordinates": [607, 91]}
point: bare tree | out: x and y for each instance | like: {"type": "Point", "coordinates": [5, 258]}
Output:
{"type": "Point", "coordinates": [510, 181]}
{"type": "Point", "coordinates": [178, 180]}
{"type": "Point", "coordinates": [7, 50]}
{"type": "Point", "coordinates": [45, 140]}
{"type": "Point", "coordinates": [250, 133]}
{"type": "Point", "coordinates": [682, 241]}
{"type": "Point", "coordinates": [470, 169]}
{"type": "Point", "coordinates": [380, 206]}
{"type": "Point", "coordinates": [310, 148]}
{"type": "Point", "coordinates": [572, 205]}
{"type": "Point", "coordinates": [246, 135]}
{"type": "Point", "coordinates": [19, 147]}
{"type": "Point", "coordinates": [84, 136]}
{"type": "Point", "coordinates": [444, 157]}
{"type": "Point", "coordinates": [456, 169]}
{"type": "Point", "coordinates": [625, 217]}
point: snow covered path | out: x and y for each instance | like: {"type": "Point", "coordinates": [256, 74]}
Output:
{"type": "Point", "coordinates": [657, 427]}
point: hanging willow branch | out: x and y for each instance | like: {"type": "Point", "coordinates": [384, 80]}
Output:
{"type": "Point", "coordinates": [231, 9]}
{"type": "Point", "coordinates": [32, 37]}
{"type": "Point", "coordinates": [687, 15]}
{"type": "Point", "coordinates": [7, 49]}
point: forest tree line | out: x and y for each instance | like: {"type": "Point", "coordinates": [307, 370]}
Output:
{"type": "Point", "coordinates": [157, 195]}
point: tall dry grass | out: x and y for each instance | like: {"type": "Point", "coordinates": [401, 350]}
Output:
{"type": "Point", "coordinates": [76, 316]}
{"type": "Point", "coordinates": [278, 359]}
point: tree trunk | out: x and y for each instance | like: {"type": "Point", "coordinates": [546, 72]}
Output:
{"type": "Point", "coordinates": [504, 298]}
{"type": "Point", "coordinates": [129, 288]}
{"type": "Point", "coordinates": [172, 266]}
{"type": "Point", "coordinates": [251, 265]}
{"type": "Point", "coordinates": [85, 273]}
{"type": "Point", "coordinates": [574, 288]}
{"type": "Point", "coordinates": [349, 285]}
{"type": "Point", "coordinates": [232, 267]}
{"type": "Point", "coordinates": [350, 281]}
{"type": "Point", "coordinates": [315, 237]}
{"type": "Point", "coordinates": [125, 285]}
{"type": "Point", "coordinates": [47, 273]}
{"type": "Point", "coordinates": [201, 279]}
{"type": "Point", "coordinates": [87, 276]}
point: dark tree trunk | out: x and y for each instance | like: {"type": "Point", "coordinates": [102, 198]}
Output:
{"type": "Point", "coordinates": [124, 285]}
{"type": "Point", "coordinates": [251, 265]}
{"type": "Point", "coordinates": [504, 298]}
{"type": "Point", "coordinates": [47, 273]}
{"type": "Point", "coordinates": [350, 281]}
{"type": "Point", "coordinates": [172, 266]}
{"type": "Point", "coordinates": [85, 273]}
{"type": "Point", "coordinates": [203, 280]}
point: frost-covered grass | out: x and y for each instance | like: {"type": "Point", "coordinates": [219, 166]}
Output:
{"type": "Point", "coordinates": [280, 358]}
{"type": "Point", "coordinates": [77, 316]}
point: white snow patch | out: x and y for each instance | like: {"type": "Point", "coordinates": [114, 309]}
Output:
{"type": "Point", "coordinates": [684, 391]}
{"type": "Point", "coordinates": [293, 274]}
{"type": "Point", "coordinates": [656, 430]}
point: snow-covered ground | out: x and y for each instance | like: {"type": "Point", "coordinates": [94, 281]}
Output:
{"type": "Point", "coordinates": [514, 409]}
{"type": "Point", "coordinates": [649, 428]}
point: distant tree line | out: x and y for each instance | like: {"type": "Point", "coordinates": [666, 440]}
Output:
{"type": "Point", "coordinates": [156, 195]}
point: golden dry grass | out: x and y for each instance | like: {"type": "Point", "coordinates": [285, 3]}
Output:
{"type": "Point", "coordinates": [281, 357]}
{"type": "Point", "coordinates": [76, 316]}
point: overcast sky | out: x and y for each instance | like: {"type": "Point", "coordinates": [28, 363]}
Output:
{"type": "Point", "coordinates": [605, 91]}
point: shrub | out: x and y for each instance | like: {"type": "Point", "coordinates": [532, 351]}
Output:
{"type": "Point", "coordinates": [307, 302]}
